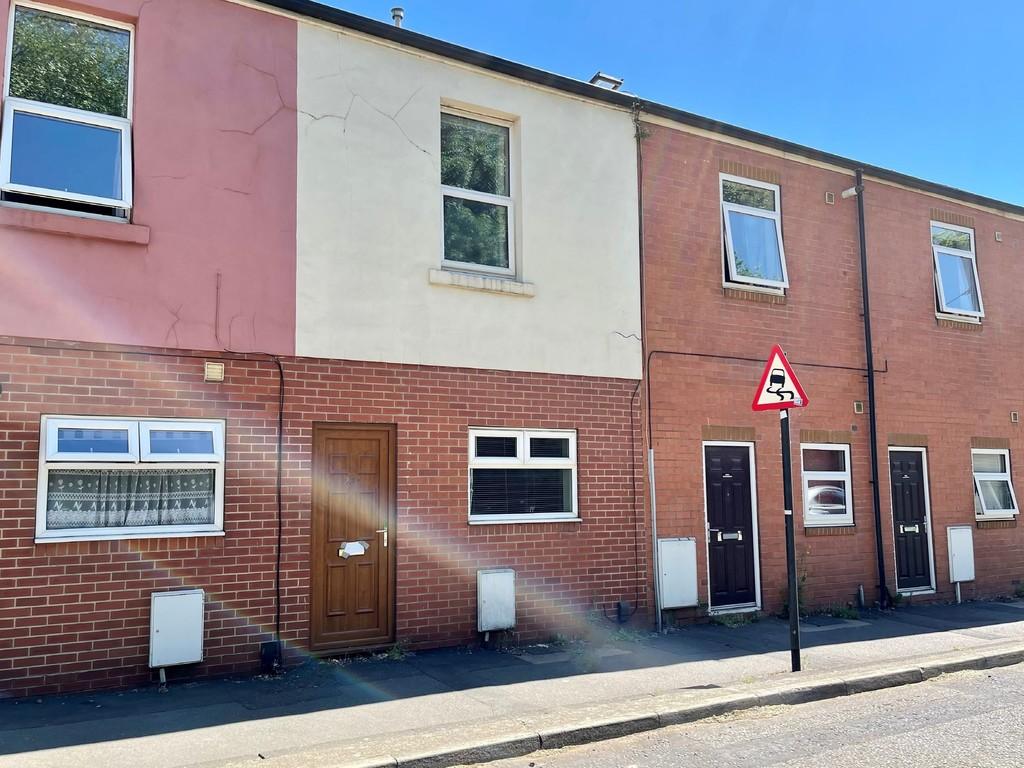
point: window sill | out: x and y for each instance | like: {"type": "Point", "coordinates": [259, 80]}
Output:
{"type": "Point", "coordinates": [990, 521]}
{"type": "Point", "coordinates": [69, 225]}
{"type": "Point", "coordinates": [531, 520]}
{"type": "Point", "coordinates": [179, 534]}
{"type": "Point", "coordinates": [753, 293]}
{"type": "Point", "coordinates": [957, 321]}
{"type": "Point", "coordinates": [843, 529]}
{"type": "Point", "coordinates": [503, 285]}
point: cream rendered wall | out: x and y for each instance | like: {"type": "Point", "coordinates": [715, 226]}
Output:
{"type": "Point", "coordinates": [369, 218]}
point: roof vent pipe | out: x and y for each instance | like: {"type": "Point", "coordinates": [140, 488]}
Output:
{"type": "Point", "coordinates": [397, 15]}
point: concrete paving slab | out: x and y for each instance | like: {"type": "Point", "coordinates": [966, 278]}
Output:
{"type": "Point", "coordinates": [332, 705]}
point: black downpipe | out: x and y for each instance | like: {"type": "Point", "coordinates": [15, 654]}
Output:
{"type": "Point", "coordinates": [869, 354]}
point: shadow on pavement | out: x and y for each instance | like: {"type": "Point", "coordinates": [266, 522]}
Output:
{"type": "Point", "coordinates": [60, 721]}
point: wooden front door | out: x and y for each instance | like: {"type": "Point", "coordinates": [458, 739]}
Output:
{"type": "Point", "coordinates": [352, 536]}
{"type": "Point", "coordinates": [731, 545]}
{"type": "Point", "coordinates": [910, 520]}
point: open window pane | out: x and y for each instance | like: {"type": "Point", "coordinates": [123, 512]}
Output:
{"type": "Point", "coordinates": [951, 238]}
{"type": "Point", "coordinates": [119, 498]}
{"type": "Point", "coordinates": [69, 62]}
{"type": "Point", "coordinates": [745, 194]}
{"type": "Point", "coordinates": [474, 155]}
{"type": "Point", "coordinates": [521, 492]}
{"type": "Point", "coordinates": [93, 441]}
{"type": "Point", "coordinates": [996, 495]}
{"type": "Point", "coordinates": [826, 499]}
{"type": "Point", "coordinates": [63, 155]}
{"type": "Point", "coordinates": [754, 245]}
{"type": "Point", "coordinates": [475, 232]}
{"type": "Point", "coordinates": [496, 447]}
{"type": "Point", "coordinates": [958, 289]}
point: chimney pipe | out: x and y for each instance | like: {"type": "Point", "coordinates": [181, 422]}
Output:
{"type": "Point", "coordinates": [397, 15]}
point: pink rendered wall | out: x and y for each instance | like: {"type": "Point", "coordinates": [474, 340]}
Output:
{"type": "Point", "coordinates": [214, 135]}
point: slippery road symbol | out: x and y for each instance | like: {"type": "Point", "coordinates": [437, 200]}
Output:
{"type": "Point", "coordinates": [779, 388]}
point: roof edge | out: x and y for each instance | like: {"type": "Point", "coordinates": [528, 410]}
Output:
{"type": "Point", "coordinates": [585, 90]}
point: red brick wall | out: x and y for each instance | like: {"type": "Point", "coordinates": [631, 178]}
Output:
{"type": "Point", "coordinates": [820, 323]}
{"type": "Point", "coordinates": [76, 615]}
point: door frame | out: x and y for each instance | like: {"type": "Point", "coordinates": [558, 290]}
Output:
{"type": "Point", "coordinates": [740, 607]}
{"type": "Point", "coordinates": [923, 450]}
{"type": "Point", "coordinates": [329, 650]}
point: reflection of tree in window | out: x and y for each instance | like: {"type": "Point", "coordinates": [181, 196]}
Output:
{"type": "Point", "coordinates": [475, 158]}
{"type": "Point", "coordinates": [69, 63]}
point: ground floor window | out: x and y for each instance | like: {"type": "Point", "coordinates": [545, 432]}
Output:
{"type": "Point", "coordinates": [828, 496]}
{"type": "Point", "coordinates": [522, 475]}
{"type": "Point", "coordinates": [129, 478]}
{"type": "Point", "coordinates": [993, 488]}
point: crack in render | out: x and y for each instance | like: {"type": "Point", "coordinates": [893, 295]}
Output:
{"type": "Point", "coordinates": [173, 328]}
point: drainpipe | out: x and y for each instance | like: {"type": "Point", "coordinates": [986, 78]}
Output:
{"type": "Point", "coordinates": [639, 132]}
{"type": "Point", "coordinates": [869, 354]}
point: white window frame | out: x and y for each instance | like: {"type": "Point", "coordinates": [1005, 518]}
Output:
{"type": "Point", "coordinates": [808, 475]}
{"type": "Point", "coordinates": [53, 425]}
{"type": "Point", "coordinates": [215, 428]}
{"type": "Point", "coordinates": [13, 104]}
{"type": "Point", "coordinates": [47, 437]}
{"type": "Point", "coordinates": [731, 275]}
{"type": "Point", "coordinates": [994, 514]}
{"type": "Point", "coordinates": [522, 461]}
{"type": "Point", "coordinates": [483, 197]}
{"type": "Point", "coordinates": [972, 255]}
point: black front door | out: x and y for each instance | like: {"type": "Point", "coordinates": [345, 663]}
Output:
{"type": "Point", "coordinates": [730, 525]}
{"type": "Point", "coordinates": [910, 519]}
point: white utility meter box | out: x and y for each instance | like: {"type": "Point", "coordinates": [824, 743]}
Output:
{"type": "Point", "coordinates": [961, 553]}
{"type": "Point", "coordinates": [495, 599]}
{"type": "Point", "coordinates": [176, 627]}
{"type": "Point", "coordinates": [677, 572]}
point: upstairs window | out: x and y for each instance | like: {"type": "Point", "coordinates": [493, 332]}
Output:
{"type": "Point", "coordinates": [753, 233]}
{"type": "Point", "coordinates": [828, 495]}
{"type": "Point", "coordinates": [957, 287]}
{"type": "Point", "coordinates": [476, 194]}
{"type": "Point", "coordinates": [66, 139]}
{"type": "Point", "coordinates": [106, 478]}
{"type": "Point", "coordinates": [522, 476]}
{"type": "Point", "coordinates": [993, 489]}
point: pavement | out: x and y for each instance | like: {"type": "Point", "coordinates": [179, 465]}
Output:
{"type": "Point", "coordinates": [458, 706]}
{"type": "Point", "coordinates": [967, 719]}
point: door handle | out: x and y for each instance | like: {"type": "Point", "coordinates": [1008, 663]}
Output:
{"type": "Point", "coordinates": [384, 543]}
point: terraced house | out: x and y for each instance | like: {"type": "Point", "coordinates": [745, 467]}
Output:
{"type": "Point", "coordinates": [321, 335]}
{"type": "Point", "coordinates": [315, 319]}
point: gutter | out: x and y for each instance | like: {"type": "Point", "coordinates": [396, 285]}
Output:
{"type": "Point", "coordinates": [621, 99]}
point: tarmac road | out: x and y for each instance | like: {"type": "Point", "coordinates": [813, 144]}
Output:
{"type": "Point", "coordinates": [970, 719]}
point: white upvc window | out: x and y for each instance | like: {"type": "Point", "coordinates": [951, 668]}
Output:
{"type": "Point", "coordinates": [827, 485]}
{"type": "Point", "coordinates": [66, 134]}
{"type": "Point", "coordinates": [752, 222]}
{"type": "Point", "coordinates": [957, 288]}
{"type": "Point", "coordinates": [126, 478]}
{"type": "Point", "coordinates": [522, 475]}
{"type": "Point", "coordinates": [477, 208]}
{"type": "Point", "coordinates": [993, 488]}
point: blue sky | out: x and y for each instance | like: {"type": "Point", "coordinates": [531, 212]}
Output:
{"type": "Point", "coordinates": [932, 88]}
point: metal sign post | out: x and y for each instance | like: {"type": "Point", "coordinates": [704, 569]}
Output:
{"type": "Point", "coordinates": [780, 390]}
{"type": "Point", "coordinates": [787, 502]}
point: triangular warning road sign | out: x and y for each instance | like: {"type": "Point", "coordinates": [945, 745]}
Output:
{"type": "Point", "coordinates": [779, 388]}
